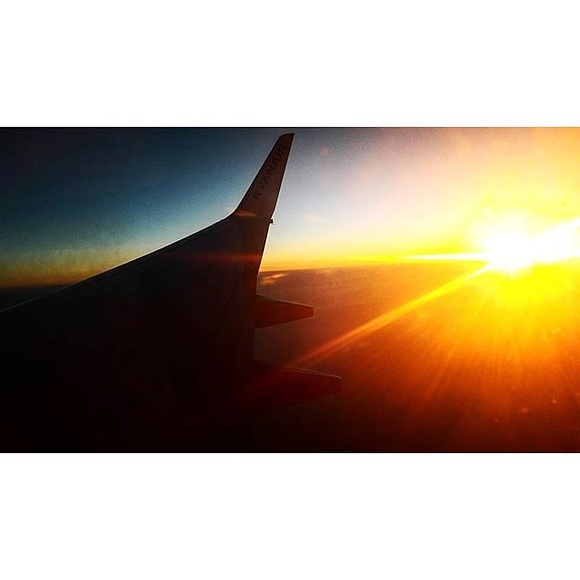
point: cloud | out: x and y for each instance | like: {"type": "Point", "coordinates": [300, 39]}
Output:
{"type": "Point", "coordinates": [270, 279]}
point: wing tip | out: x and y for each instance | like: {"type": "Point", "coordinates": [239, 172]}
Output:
{"type": "Point", "coordinates": [261, 197]}
{"type": "Point", "coordinates": [284, 139]}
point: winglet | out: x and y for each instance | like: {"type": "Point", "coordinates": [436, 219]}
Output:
{"type": "Point", "coordinates": [262, 195]}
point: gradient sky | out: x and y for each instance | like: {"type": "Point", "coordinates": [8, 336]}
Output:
{"type": "Point", "coordinates": [77, 201]}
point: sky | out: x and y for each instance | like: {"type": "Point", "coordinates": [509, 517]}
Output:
{"type": "Point", "coordinates": [77, 201]}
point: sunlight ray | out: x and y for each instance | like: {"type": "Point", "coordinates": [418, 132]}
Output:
{"type": "Point", "coordinates": [388, 317]}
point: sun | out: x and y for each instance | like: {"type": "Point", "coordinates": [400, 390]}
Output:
{"type": "Point", "coordinates": [508, 247]}
{"type": "Point", "coordinates": [512, 244]}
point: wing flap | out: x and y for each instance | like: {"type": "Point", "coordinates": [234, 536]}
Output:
{"type": "Point", "coordinates": [274, 387]}
{"type": "Point", "coordinates": [269, 311]}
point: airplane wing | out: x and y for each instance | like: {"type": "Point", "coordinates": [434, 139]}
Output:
{"type": "Point", "coordinates": [146, 355]}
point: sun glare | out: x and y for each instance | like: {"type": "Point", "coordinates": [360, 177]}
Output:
{"type": "Point", "coordinates": [511, 246]}
{"type": "Point", "coordinates": [526, 253]}
{"type": "Point", "coordinates": [508, 247]}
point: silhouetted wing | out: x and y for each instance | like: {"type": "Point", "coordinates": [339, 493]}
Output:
{"type": "Point", "coordinates": [147, 347]}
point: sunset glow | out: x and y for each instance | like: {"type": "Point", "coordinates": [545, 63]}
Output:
{"type": "Point", "coordinates": [442, 264]}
